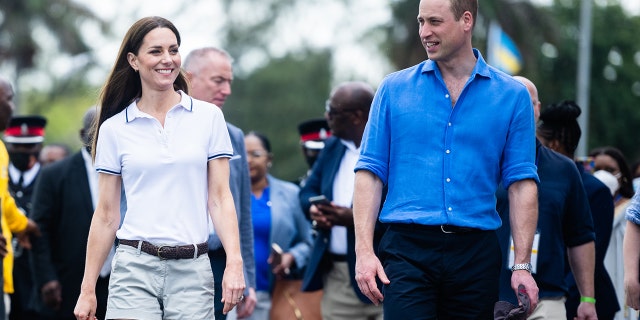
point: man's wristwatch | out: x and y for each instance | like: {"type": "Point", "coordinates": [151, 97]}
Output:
{"type": "Point", "coordinates": [521, 266]}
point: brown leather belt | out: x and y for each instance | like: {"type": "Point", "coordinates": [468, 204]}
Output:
{"type": "Point", "coordinates": [168, 252]}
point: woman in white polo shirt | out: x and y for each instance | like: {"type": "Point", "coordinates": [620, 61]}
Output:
{"type": "Point", "coordinates": [170, 152]}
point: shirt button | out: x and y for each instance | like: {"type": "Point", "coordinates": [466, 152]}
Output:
{"type": "Point", "coordinates": [449, 124]}
{"type": "Point", "coordinates": [446, 96]}
{"type": "Point", "coordinates": [448, 180]}
{"type": "Point", "coordinates": [450, 209]}
{"type": "Point", "coordinates": [448, 151]}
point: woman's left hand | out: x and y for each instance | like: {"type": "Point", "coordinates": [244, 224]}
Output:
{"type": "Point", "coordinates": [233, 285]}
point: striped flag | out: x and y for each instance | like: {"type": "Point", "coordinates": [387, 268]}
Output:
{"type": "Point", "coordinates": [502, 52]}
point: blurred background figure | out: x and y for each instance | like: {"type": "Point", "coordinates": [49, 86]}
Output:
{"type": "Point", "coordinates": [558, 129]}
{"type": "Point", "coordinates": [332, 263]}
{"type": "Point", "coordinates": [23, 139]}
{"type": "Point", "coordinates": [210, 73]}
{"type": "Point", "coordinates": [278, 219]}
{"type": "Point", "coordinates": [632, 253]}
{"type": "Point", "coordinates": [565, 230]}
{"type": "Point", "coordinates": [13, 219]}
{"type": "Point", "coordinates": [610, 166]}
{"type": "Point", "coordinates": [635, 174]}
{"type": "Point", "coordinates": [53, 152]}
{"type": "Point", "coordinates": [313, 133]}
{"type": "Point", "coordinates": [63, 204]}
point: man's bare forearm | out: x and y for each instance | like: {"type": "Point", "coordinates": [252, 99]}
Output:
{"type": "Point", "coordinates": [582, 261]}
{"type": "Point", "coordinates": [523, 215]}
{"type": "Point", "coordinates": [366, 204]}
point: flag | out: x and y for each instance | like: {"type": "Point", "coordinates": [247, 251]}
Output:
{"type": "Point", "coordinates": [502, 52]}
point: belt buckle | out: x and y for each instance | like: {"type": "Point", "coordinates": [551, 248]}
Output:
{"type": "Point", "coordinates": [445, 231]}
{"type": "Point", "coordinates": [159, 251]}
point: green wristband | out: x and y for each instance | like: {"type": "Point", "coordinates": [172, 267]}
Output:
{"type": "Point", "coordinates": [588, 299]}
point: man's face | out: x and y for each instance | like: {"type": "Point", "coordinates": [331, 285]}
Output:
{"type": "Point", "coordinates": [441, 35]}
{"type": "Point", "coordinates": [6, 104]}
{"type": "Point", "coordinates": [339, 113]}
{"type": "Point", "coordinates": [212, 82]}
{"type": "Point", "coordinates": [23, 155]}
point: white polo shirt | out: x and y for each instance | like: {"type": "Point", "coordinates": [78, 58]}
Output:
{"type": "Point", "coordinates": [164, 170]}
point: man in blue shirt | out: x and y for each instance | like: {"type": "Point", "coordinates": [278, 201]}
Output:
{"type": "Point", "coordinates": [442, 135]}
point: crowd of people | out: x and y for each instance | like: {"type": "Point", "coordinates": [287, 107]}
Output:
{"type": "Point", "coordinates": [449, 192]}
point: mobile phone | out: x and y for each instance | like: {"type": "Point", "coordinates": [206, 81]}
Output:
{"type": "Point", "coordinates": [321, 199]}
{"type": "Point", "coordinates": [276, 254]}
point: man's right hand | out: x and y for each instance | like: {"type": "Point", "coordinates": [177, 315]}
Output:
{"type": "Point", "coordinates": [52, 294]}
{"type": "Point", "coordinates": [368, 267]}
{"type": "Point", "coordinates": [32, 229]}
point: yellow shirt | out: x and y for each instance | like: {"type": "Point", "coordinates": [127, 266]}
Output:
{"type": "Point", "coordinates": [13, 219]}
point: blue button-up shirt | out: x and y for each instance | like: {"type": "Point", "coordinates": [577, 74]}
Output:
{"type": "Point", "coordinates": [442, 164]}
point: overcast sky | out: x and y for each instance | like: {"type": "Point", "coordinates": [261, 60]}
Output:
{"type": "Point", "coordinates": [321, 24]}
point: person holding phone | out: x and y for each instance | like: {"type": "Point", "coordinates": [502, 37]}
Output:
{"type": "Point", "coordinates": [282, 239]}
{"type": "Point", "coordinates": [326, 199]}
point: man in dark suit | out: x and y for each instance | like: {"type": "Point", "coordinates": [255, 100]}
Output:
{"type": "Point", "coordinates": [23, 139]}
{"type": "Point", "coordinates": [332, 263]}
{"type": "Point", "coordinates": [210, 73]}
{"type": "Point", "coordinates": [63, 205]}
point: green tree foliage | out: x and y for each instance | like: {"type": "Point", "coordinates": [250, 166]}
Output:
{"type": "Point", "coordinates": [614, 104]}
{"type": "Point", "coordinates": [21, 17]}
{"type": "Point", "coordinates": [64, 114]}
{"type": "Point", "coordinates": [274, 99]}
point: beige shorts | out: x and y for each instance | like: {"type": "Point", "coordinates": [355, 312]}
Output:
{"type": "Point", "coordinates": [143, 286]}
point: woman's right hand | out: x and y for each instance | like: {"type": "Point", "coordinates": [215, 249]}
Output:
{"type": "Point", "coordinates": [86, 306]}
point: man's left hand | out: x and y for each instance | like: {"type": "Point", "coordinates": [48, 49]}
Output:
{"type": "Point", "coordinates": [586, 311]}
{"type": "Point", "coordinates": [524, 277]}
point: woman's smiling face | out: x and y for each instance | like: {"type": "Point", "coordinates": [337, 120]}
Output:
{"type": "Point", "coordinates": [158, 60]}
